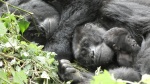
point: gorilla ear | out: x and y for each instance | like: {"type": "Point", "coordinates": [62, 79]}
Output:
{"type": "Point", "coordinates": [115, 47]}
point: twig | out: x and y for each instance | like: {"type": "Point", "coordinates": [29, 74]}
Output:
{"type": "Point", "coordinates": [16, 7]}
{"type": "Point", "coordinates": [8, 56]}
{"type": "Point", "coordinates": [46, 69]}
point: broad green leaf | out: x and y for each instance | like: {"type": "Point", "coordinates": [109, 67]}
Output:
{"type": "Point", "coordinates": [23, 25]}
{"type": "Point", "coordinates": [3, 77]}
{"type": "Point", "coordinates": [45, 75]}
{"type": "Point", "coordinates": [19, 77]}
{"type": "Point", "coordinates": [146, 78]}
{"type": "Point", "coordinates": [50, 61]}
{"type": "Point", "coordinates": [42, 59]}
{"type": "Point", "coordinates": [3, 29]}
{"type": "Point", "coordinates": [104, 78]}
{"type": "Point", "coordinates": [12, 17]}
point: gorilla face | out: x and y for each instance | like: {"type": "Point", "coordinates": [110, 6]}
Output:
{"type": "Point", "coordinates": [126, 48]}
{"type": "Point", "coordinates": [89, 48]}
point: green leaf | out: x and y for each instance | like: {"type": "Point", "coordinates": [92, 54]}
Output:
{"type": "Point", "coordinates": [23, 25]}
{"type": "Point", "coordinates": [50, 61]}
{"type": "Point", "coordinates": [3, 77]}
{"type": "Point", "coordinates": [19, 77]}
{"type": "Point", "coordinates": [3, 29]}
{"type": "Point", "coordinates": [41, 59]}
{"type": "Point", "coordinates": [104, 78]}
{"type": "Point", "coordinates": [45, 75]}
{"type": "Point", "coordinates": [146, 79]}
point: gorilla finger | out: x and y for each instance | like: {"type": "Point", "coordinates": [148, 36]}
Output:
{"type": "Point", "coordinates": [61, 62]}
{"type": "Point", "coordinates": [66, 66]}
{"type": "Point", "coordinates": [64, 61]}
{"type": "Point", "coordinates": [70, 70]}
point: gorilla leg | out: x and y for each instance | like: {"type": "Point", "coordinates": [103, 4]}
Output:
{"type": "Point", "coordinates": [124, 73]}
{"type": "Point", "coordinates": [143, 58]}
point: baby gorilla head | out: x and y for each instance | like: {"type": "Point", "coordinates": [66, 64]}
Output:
{"type": "Point", "coordinates": [89, 48]}
{"type": "Point", "coordinates": [126, 48]}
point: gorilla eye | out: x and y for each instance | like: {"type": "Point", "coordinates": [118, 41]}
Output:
{"type": "Point", "coordinates": [129, 36]}
{"type": "Point", "coordinates": [85, 43]}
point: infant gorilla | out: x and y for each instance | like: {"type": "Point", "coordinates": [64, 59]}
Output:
{"type": "Point", "coordinates": [93, 46]}
{"type": "Point", "coordinates": [89, 48]}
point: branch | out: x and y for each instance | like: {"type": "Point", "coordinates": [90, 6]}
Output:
{"type": "Point", "coordinates": [16, 7]}
{"type": "Point", "coordinates": [8, 56]}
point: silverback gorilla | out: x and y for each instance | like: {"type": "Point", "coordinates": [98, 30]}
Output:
{"type": "Point", "coordinates": [129, 14]}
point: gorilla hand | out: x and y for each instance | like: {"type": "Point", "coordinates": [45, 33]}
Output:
{"type": "Point", "coordinates": [67, 72]}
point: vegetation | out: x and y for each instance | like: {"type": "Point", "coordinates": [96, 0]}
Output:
{"type": "Point", "coordinates": [22, 61]}
{"type": "Point", "coordinates": [104, 77]}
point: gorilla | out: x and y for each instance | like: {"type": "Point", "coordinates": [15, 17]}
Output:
{"type": "Point", "coordinates": [143, 57]}
{"type": "Point", "coordinates": [89, 48]}
{"type": "Point", "coordinates": [93, 46]}
{"type": "Point", "coordinates": [43, 21]}
{"type": "Point", "coordinates": [122, 43]}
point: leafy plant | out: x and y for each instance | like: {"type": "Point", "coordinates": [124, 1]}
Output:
{"type": "Point", "coordinates": [104, 77]}
{"type": "Point", "coordinates": [21, 61]}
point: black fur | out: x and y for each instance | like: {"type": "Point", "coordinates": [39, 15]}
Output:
{"type": "Point", "coordinates": [143, 58]}
{"type": "Point", "coordinates": [124, 73]}
{"type": "Point", "coordinates": [77, 13]}
{"type": "Point", "coordinates": [130, 14]}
